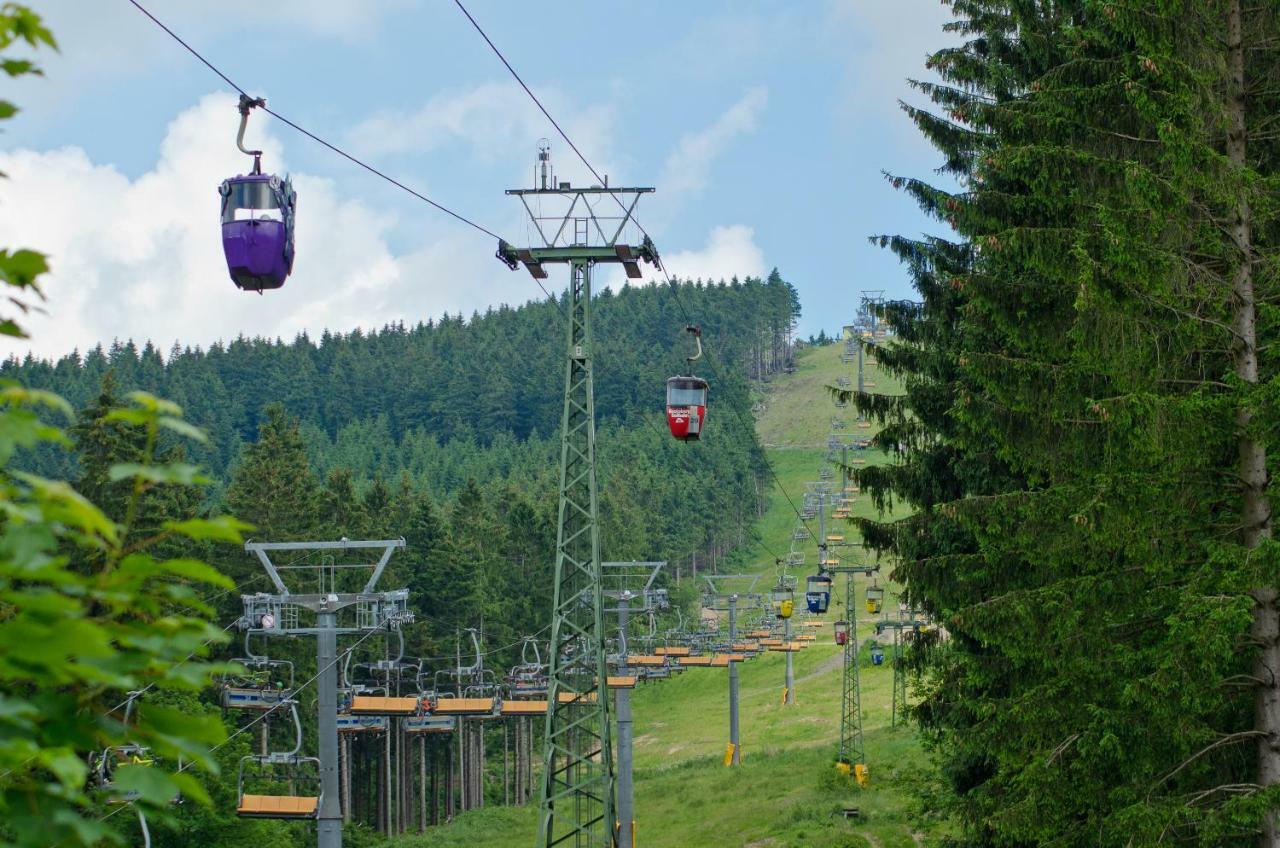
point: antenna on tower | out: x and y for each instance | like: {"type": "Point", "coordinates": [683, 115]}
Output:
{"type": "Point", "coordinates": [544, 164]}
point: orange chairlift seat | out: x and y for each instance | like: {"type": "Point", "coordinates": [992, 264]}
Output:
{"type": "Point", "coordinates": [646, 660]}
{"type": "Point", "coordinates": [379, 705]}
{"type": "Point", "coordinates": [278, 806]}
{"type": "Point", "coordinates": [463, 706]}
{"type": "Point", "coordinates": [701, 661]}
{"type": "Point", "coordinates": [524, 708]}
{"type": "Point", "coordinates": [254, 805]}
{"type": "Point", "coordinates": [673, 651]}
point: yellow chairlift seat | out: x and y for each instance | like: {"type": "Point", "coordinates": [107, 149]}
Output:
{"type": "Point", "coordinates": [278, 806]}
{"type": "Point", "coordinates": [757, 634]}
{"type": "Point", "coordinates": [571, 697]}
{"type": "Point", "coordinates": [673, 651]}
{"type": "Point", "coordinates": [622, 681]}
{"type": "Point", "coordinates": [771, 643]}
{"type": "Point", "coordinates": [838, 538]}
{"type": "Point", "coordinates": [375, 705]}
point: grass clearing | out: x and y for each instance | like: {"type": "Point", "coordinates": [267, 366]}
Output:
{"type": "Point", "coordinates": [787, 793]}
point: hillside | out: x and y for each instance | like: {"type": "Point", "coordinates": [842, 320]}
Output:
{"type": "Point", "coordinates": [787, 792]}
{"type": "Point", "coordinates": [378, 402]}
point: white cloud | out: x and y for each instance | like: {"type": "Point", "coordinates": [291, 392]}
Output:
{"type": "Point", "coordinates": [730, 252]}
{"type": "Point", "coordinates": [142, 258]}
{"type": "Point", "coordinates": [98, 38]}
{"type": "Point", "coordinates": [490, 121]}
{"type": "Point", "coordinates": [688, 167]}
{"type": "Point", "coordinates": [884, 54]}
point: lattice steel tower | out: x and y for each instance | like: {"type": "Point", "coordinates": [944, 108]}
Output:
{"type": "Point", "coordinates": [577, 801]}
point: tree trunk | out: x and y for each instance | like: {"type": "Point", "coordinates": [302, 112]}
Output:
{"type": "Point", "coordinates": [1256, 505]}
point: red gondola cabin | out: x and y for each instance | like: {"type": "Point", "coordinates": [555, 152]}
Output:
{"type": "Point", "coordinates": [686, 407]}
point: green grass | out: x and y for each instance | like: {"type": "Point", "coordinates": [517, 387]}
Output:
{"type": "Point", "coordinates": [794, 426]}
{"type": "Point", "coordinates": [797, 408]}
{"type": "Point", "coordinates": [787, 792]}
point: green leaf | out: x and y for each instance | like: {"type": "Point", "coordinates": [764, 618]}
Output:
{"type": "Point", "coordinates": [20, 268]}
{"type": "Point", "coordinates": [222, 528]}
{"type": "Point", "coordinates": [194, 569]}
{"type": "Point", "coordinates": [151, 782]}
{"type": "Point", "coordinates": [16, 395]}
{"type": "Point", "coordinates": [177, 473]}
{"type": "Point", "coordinates": [18, 67]}
{"type": "Point", "coordinates": [69, 768]}
{"type": "Point", "coordinates": [183, 428]}
{"type": "Point", "coordinates": [151, 403]}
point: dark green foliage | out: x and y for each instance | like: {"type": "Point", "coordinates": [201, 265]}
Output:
{"type": "Point", "coordinates": [377, 402]}
{"type": "Point", "coordinates": [1069, 425]}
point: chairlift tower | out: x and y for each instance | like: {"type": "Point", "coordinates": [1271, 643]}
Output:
{"type": "Point", "coordinates": [908, 621]}
{"type": "Point", "coordinates": [728, 601]}
{"type": "Point", "coordinates": [581, 231]}
{"type": "Point", "coordinates": [623, 583]}
{"type": "Point", "coordinates": [335, 585]}
{"type": "Point", "coordinates": [852, 752]}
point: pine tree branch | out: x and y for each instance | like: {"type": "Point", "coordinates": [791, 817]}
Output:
{"type": "Point", "coordinates": [1229, 739]}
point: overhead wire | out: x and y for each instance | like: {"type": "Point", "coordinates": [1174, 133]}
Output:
{"type": "Point", "coordinates": [672, 283]}
{"type": "Point", "coordinates": [327, 144]}
{"type": "Point", "coordinates": [463, 219]}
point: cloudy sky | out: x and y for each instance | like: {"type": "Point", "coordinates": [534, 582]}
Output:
{"type": "Point", "coordinates": [765, 127]}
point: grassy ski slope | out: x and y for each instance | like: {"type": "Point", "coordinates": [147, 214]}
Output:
{"type": "Point", "coordinates": [787, 793]}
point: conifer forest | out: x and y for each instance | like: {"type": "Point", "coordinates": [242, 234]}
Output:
{"type": "Point", "coordinates": [885, 462]}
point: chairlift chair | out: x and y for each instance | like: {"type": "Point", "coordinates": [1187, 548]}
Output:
{"type": "Point", "coordinates": [264, 685]}
{"type": "Point", "coordinates": [875, 598]}
{"type": "Point", "coordinates": [817, 594]}
{"type": "Point", "coordinates": [783, 600]}
{"type": "Point", "coordinates": [270, 805]}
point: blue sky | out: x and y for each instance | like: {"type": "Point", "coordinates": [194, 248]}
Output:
{"type": "Point", "coordinates": [764, 126]}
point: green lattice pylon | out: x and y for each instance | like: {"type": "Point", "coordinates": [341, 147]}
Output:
{"type": "Point", "coordinates": [899, 681]}
{"type": "Point", "coordinates": [577, 784]}
{"type": "Point", "coordinates": [577, 799]}
{"type": "Point", "coordinates": [851, 748]}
